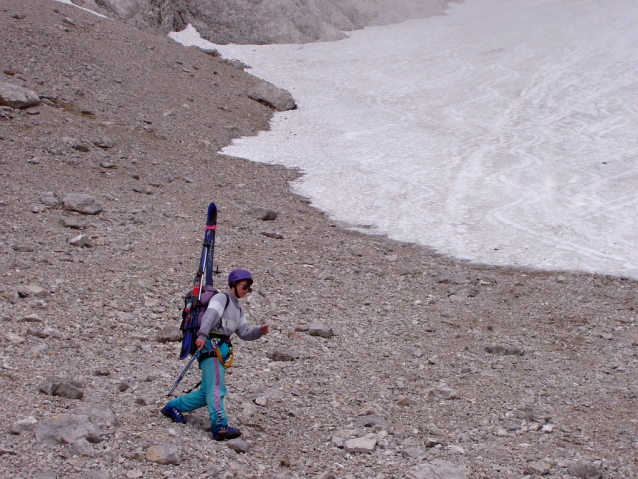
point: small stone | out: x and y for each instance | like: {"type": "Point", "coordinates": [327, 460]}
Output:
{"type": "Point", "coordinates": [263, 214]}
{"type": "Point", "coordinates": [73, 223]}
{"type": "Point", "coordinates": [12, 338]}
{"type": "Point", "coordinates": [239, 445]}
{"type": "Point", "coordinates": [122, 387]}
{"type": "Point", "coordinates": [361, 445]}
{"type": "Point", "coordinates": [169, 334]}
{"type": "Point", "coordinates": [584, 471]}
{"type": "Point", "coordinates": [163, 454]}
{"type": "Point", "coordinates": [371, 421]}
{"type": "Point", "coordinates": [505, 350]}
{"type": "Point", "coordinates": [23, 248]}
{"type": "Point", "coordinates": [406, 401]}
{"type": "Point", "coordinates": [444, 392]}
{"type": "Point", "coordinates": [320, 329]}
{"type": "Point", "coordinates": [537, 468]}
{"type": "Point", "coordinates": [24, 426]}
{"type": "Point", "coordinates": [49, 199]}
{"type": "Point", "coordinates": [272, 234]}
{"type": "Point", "coordinates": [32, 290]}
{"type": "Point", "coordinates": [81, 241]}
{"type": "Point", "coordinates": [103, 371]}
{"type": "Point", "coordinates": [438, 468]}
{"type": "Point", "coordinates": [278, 355]}
{"type": "Point", "coordinates": [103, 142]}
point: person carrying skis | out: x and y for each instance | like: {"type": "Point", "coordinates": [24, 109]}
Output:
{"type": "Point", "coordinates": [222, 318]}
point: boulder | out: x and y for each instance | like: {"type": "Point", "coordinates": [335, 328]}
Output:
{"type": "Point", "coordinates": [15, 96]}
{"type": "Point", "coordinates": [320, 329]}
{"type": "Point", "coordinates": [270, 95]}
{"type": "Point", "coordinates": [85, 204]}
{"type": "Point", "coordinates": [163, 454]}
{"type": "Point", "coordinates": [66, 429]}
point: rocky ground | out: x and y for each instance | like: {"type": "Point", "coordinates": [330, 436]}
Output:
{"type": "Point", "coordinates": [419, 365]}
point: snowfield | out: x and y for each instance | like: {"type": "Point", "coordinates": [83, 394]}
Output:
{"type": "Point", "coordinates": [502, 133]}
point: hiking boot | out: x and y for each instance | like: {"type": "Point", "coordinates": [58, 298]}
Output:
{"type": "Point", "coordinates": [226, 433]}
{"type": "Point", "coordinates": [173, 414]}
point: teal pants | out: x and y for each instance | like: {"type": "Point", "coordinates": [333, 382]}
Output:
{"type": "Point", "coordinates": [212, 390]}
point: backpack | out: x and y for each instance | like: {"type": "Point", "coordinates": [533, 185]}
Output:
{"type": "Point", "coordinates": [194, 309]}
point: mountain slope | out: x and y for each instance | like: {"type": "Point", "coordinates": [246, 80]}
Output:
{"type": "Point", "coordinates": [264, 21]}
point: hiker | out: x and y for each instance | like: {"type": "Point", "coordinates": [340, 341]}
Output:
{"type": "Point", "coordinates": [215, 355]}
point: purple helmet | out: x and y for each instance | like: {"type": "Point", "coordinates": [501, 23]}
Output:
{"type": "Point", "coordinates": [239, 275]}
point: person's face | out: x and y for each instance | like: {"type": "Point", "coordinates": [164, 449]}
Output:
{"type": "Point", "coordinates": [242, 288]}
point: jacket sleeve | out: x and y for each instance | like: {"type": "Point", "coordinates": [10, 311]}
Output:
{"type": "Point", "coordinates": [246, 333]}
{"type": "Point", "coordinates": [211, 316]}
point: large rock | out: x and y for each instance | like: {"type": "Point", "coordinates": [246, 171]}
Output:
{"type": "Point", "coordinates": [361, 445]}
{"type": "Point", "coordinates": [438, 469]}
{"type": "Point", "coordinates": [163, 454]}
{"type": "Point", "coordinates": [67, 429]}
{"type": "Point", "coordinates": [85, 204]}
{"type": "Point", "coordinates": [17, 97]}
{"type": "Point", "coordinates": [67, 388]}
{"type": "Point", "coordinates": [320, 329]}
{"type": "Point", "coordinates": [270, 95]}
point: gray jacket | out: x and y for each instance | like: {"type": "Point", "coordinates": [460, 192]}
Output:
{"type": "Point", "coordinates": [232, 321]}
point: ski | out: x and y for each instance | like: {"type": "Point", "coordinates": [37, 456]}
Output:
{"type": "Point", "coordinates": [204, 277]}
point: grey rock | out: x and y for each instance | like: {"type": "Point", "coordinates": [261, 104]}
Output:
{"type": "Point", "coordinates": [67, 388]}
{"type": "Point", "coordinates": [239, 445]}
{"type": "Point", "coordinates": [66, 429]}
{"type": "Point", "coordinates": [505, 350]}
{"type": "Point", "coordinates": [73, 223]}
{"type": "Point", "coordinates": [361, 445]}
{"type": "Point", "coordinates": [584, 471]}
{"type": "Point", "coordinates": [270, 95]}
{"type": "Point", "coordinates": [272, 234]}
{"type": "Point", "coordinates": [320, 329]}
{"type": "Point", "coordinates": [103, 142]}
{"type": "Point", "coordinates": [101, 417]}
{"type": "Point", "coordinates": [24, 426]}
{"type": "Point", "coordinates": [81, 241]}
{"type": "Point", "coordinates": [23, 248]}
{"type": "Point", "coordinates": [371, 421]}
{"type": "Point", "coordinates": [32, 290]}
{"type": "Point", "coordinates": [279, 355]}
{"type": "Point", "coordinates": [82, 447]}
{"type": "Point", "coordinates": [413, 452]}
{"type": "Point", "coordinates": [49, 199]}
{"type": "Point", "coordinates": [21, 264]}
{"type": "Point", "coordinates": [438, 469]}
{"type": "Point", "coordinates": [263, 214]}
{"type": "Point", "coordinates": [81, 203]}
{"type": "Point", "coordinates": [169, 334]}
{"type": "Point", "coordinates": [442, 391]}
{"type": "Point", "coordinates": [46, 475]}
{"type": "Point", "coordinates": [537, 468]}
{"type": "Point", "coordinates": [15, 96]}
{"type": "Point", "coordinates": [163, 454]}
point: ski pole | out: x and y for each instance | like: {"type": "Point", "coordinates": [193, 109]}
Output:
{"type": "Point", "coordinates": [181, 376]}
